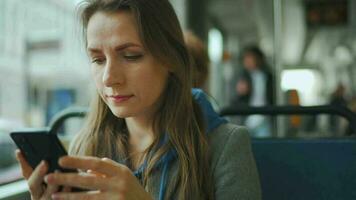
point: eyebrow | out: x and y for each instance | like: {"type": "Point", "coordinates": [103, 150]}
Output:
{"type": "Point", "coordinates": [118, 48]}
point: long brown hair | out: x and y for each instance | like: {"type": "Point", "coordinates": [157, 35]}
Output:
{"type": "Point", "coordinates": [178, 116]}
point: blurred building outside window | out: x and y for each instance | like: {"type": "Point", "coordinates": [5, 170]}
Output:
{"type": "Point", "coordinates": [43, 69]}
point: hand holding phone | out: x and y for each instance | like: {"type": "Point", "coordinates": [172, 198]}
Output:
{"type": "Point", "coordinates": [37, 145]}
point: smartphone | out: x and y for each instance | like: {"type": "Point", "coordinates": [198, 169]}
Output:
{"type": "Point", "coordinates": [37, 145]}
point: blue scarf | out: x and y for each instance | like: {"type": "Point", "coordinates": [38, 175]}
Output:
{"type": "Point", "coordinates": [212, 121]}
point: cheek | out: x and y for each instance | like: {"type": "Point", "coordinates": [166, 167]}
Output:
{"type": "Point", "coordinates": [97, 77]}
{"type": "Point", "coordinates": [152, 84]}
{"type": "Point", "coordinates": [158, 88]}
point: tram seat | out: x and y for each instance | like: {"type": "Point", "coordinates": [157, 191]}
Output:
{"type": "Point", "coordinates": [292, 169]}
{"type": "Point", "coordinates": [299, 169]}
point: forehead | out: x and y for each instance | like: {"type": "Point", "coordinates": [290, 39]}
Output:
{"type": "Point", "coordinates": [106, 28]}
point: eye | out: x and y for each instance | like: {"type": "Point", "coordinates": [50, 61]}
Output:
{"type": "Point", "coordinates": [133, 57]}
{"type": "Point", "coordinates": [98, 61]}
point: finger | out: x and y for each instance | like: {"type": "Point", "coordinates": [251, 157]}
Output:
{"type": "Point", "coordinates": [74, 180]}
{"type": "Point", "coordinates": [95, 173]}
{"type": "Point", "coordinates": [36, 179]}
{"type": "Point", "coordinates": [92, 195]}
{"type": "Point", "coordinates": [51, 189]}
{"type": "Point", "coordinates": [104, 166]}
{"type": "Point", "coordinates": [25, 167]}
{"type": "Point", "coordinates": [66, 189]}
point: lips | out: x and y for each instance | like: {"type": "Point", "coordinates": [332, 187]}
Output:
{"type": "Point", "coordinates": [120, 98]}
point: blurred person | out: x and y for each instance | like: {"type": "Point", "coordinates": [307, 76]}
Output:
{"type": "Point", "coordinates": [254, 87]}
{"type": "Point", "coordinates": [148, 135]}
{"type": "Point", "coordinates": [200, 64]}
{"type": "Point", "coordinates": [337, 99]}
{"type": "Point", "coordinates": [338, 96]}
{"type": "Point", "coordinates": [352, 106]}
{"type": "Point", "coordinates": [200, 59]}
{"type": "Point", "coordinates": [294, 121]}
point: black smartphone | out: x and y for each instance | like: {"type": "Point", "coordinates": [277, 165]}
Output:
{"type": "Point", "coordinates": [37, 145]}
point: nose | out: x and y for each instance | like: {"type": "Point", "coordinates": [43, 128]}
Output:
{"type": "Point", "coordinates": [113, 74]}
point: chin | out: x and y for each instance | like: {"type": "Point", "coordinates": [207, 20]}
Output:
{"type": "Point", "coordinates": [121, 113]}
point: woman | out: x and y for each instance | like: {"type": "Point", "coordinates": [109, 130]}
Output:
{"type": "Point", "coordinates": [145, 136]}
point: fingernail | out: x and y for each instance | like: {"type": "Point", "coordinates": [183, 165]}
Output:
{"type": "Point", "coordinates": [55, 197]}
{"type": "Point", "coordinates": [43, 166]}
{"type": "Point", "coordinates": [16, 156]}
{"type": "Point", "coordinates": [46, 179]}
{"type": "Point", "coordinates": [60, 161]}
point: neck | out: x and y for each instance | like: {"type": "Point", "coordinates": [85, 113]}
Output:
{"type": "Point", "coordinates": [140, 138]}
{"type": "Point", "coordinates": [140, 133]}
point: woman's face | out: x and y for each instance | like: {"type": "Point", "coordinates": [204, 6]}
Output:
{"type": "Point", "coordinates": [128, 78]}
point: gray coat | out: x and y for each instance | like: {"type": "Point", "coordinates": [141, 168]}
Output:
{"type": "Point", "coordinates": [232, 164]}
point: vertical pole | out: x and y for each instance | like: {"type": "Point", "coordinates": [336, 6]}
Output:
{"type": "Point", "coordinates": [197, 18]}
{"type": "Point", "coordinates": [277, 10]}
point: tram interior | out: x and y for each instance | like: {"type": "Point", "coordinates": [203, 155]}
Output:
{"type": "Point", "coordinates": [309, 45]}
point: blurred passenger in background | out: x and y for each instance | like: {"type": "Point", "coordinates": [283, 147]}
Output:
{"type": "Point", "coordinates": [337, 99]}
{"type": "Point", "coordinates": [254, 87]}
{"type": "Point", "coordinates": [338, 96]}
{"type": "Point", "coordinates": [352, 106]}
{"type": "Point", "coordinates": [200, 59]}
{"type": "Point", "coordinates": [293, 121]}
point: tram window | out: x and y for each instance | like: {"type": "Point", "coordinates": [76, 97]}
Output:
{"type": "Point", "coordinates": [306, 82]}
{"type": "Point", "coordinates": [43, 69]}
{"type": "Point", "coordinates": [2, 24]}
{"type": "Point", "coordinates": [9, 169]}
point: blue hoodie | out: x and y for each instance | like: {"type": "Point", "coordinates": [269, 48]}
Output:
{"type": "Point", "coordinates": [212, 121]}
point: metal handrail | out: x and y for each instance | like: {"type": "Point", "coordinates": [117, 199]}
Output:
{"type": "Point", "coordinates": [59, 118]}
{"type": "Point", "coordinates": [293, 110]}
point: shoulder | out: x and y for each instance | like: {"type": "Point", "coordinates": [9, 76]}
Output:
{"type": "Point", "coordinates": [227, 139]}
{"type": "Point", "coordinates": [227, 133]}
{"type": "Point", "coordinates": [227, 130]}
{"type": "Point", "coordinates": [232, 163]}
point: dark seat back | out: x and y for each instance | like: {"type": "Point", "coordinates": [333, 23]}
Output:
{"type": "Point", "coordinates": [296, 169]}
